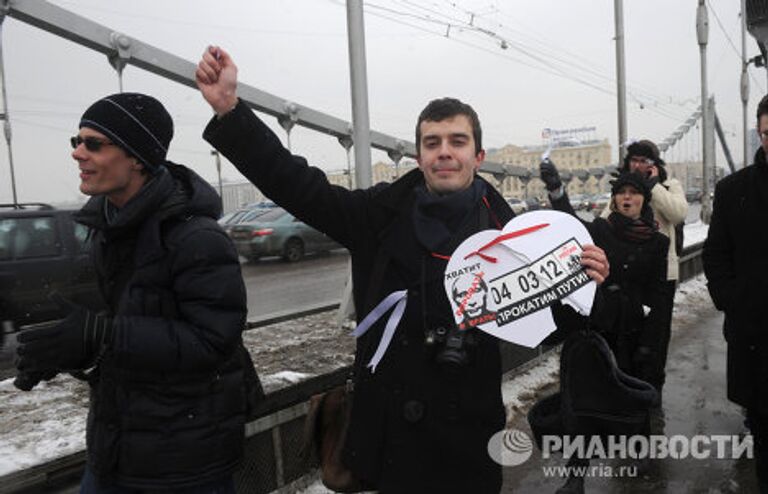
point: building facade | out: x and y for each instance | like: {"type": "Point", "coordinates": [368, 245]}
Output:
{"type": "Point", "coordinates": [380, 172]}
{"type": "Point", "coordinates": [570, 156]}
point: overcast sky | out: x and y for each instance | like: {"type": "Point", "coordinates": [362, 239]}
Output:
{"type": "Point", "coordinates": [557, 71]}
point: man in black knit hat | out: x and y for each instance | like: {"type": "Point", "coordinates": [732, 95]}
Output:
{"type": "Point", "coordinates": [165, 361]}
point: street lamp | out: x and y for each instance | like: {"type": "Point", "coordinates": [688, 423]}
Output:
{"type": "Point", "coordinates": [757, 23]}
{"type": "Point", "coordinates": [218, 170]}
{"type": "Point", "coordinates": [4, 115]}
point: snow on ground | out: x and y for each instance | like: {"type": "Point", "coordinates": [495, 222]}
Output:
{"type": "Point", "coordinates": [281, 379]}
{"type": "Point", "coordinates": [49, 422]}
{"type": "Point", "coordinates": [690, 297]}
{"type": "Point", "coordinates": [316, 487]}
{"type": "Point", "coordinates": [520, 391]}
{"type": "Point", "coordinates": [292, 351]}
{"type": "Point", "coordinates": [43, 424]}
{"type": "Point", "coordinates": [695, 233]}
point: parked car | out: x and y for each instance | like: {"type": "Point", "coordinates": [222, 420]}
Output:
{"type": "Point", "coordinates": [244, 215]}
{"type": "Point", "coordinates": [41, 250]}
{"type": "Point", "coordinates": [599, 202]}
{"type": "Point", "coordinates": [517, 205]}
{"type": "Point", "coordinates": [693, 195]}
{"type": "Point", "coordinates": [260, 204]}
{"type": "Point", "coordinates": [578, 201]}
{"type": "Point", "coordinates": [533, 204]}
{"type": "Point", "coordinates": [278, 233]}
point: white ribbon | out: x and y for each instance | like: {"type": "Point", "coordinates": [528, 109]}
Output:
{"type": "Point", "coordinates": [397, 299]}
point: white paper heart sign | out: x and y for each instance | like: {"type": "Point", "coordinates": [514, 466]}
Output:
{"type": "Point", "coordinates": [504, 282]}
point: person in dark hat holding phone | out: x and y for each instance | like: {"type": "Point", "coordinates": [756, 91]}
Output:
{"type": "Point", "coordinates": [168, 372]}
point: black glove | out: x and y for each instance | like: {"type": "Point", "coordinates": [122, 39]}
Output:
{"type": "Point", "coordinates": [72, 344]}
{"type": "Point", "coordinates": [549, 175]}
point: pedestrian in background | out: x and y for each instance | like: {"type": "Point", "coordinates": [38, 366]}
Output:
{"type": "Point", "coordinates": [166, 365]}
{"type": "Point", "coordinates": [736, 268]}
{"type": "Point", "coordinates": [631, 314]}
{"type": "Point", "coordinates": [670, 208]}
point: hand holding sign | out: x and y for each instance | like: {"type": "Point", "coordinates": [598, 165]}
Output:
{"type": "Point", "coordinates": [504, 282]}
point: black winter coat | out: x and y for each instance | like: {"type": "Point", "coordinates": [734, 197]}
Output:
{"type": "Point", "coordinates": [415, 426]}
{"type": "Point", "coordinates": [168, 403]}
{"type": "Point", "coordinates": [637, 278]}
{"type": "Point", "coordinates": [736, 268]}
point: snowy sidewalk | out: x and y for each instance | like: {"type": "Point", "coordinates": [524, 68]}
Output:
{"type": "Point", "coordinates": [521, 390]}
{"type": "Point", "coordinates": [49, 422]}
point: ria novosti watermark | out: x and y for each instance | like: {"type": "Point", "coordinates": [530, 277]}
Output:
{"type": "Point", "coordinates": [511, 447]}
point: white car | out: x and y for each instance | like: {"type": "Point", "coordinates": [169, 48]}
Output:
{"type": "Point", "coordinates": [518, 206]}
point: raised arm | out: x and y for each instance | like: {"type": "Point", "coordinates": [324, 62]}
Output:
{"type": "Point", "coordinates": [260, 156]}
{"type": "Point", "coordinates": [669, 201]}
{"type": "Point", "coordinates": [216, 77]}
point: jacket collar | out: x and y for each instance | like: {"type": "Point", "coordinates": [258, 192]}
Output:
{"type": "Point", "coordinates": [759, 160]}
{"type": "Point", "coordinates": [398, 238]}
{"type": "Point", "coordinates": [142, 217]}
{"type": "Point", "coordinates": [760, 183]}
{"type": "Point", "coordinates": [399, 196]}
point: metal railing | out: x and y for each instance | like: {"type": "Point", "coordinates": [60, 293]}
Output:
{"type": "Point", "coordinates": [122, 50]}
{"type": "Point", "coordinates": [273, 444]}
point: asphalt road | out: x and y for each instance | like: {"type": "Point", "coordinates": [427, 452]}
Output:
{"type": "Point", "coordinates": [275, 286]}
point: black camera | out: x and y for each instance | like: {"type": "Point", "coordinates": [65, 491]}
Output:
{"type": "Point", "coordinates": [451, 346]}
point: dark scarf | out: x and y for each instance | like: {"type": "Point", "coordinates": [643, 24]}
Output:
{"type": "Point", "coordinates": [636, 231]}
{"type": "Point", "coordinates": [160, 197]}
{"type": "Point", "coordinates": [437, 218]}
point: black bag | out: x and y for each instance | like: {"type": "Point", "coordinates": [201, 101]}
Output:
{"type": "Point", "coordinates": [596, 397]}
{"type": "Point", "coordinates": [325, 431]}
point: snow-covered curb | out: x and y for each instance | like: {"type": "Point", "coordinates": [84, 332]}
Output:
{"type": "Point", "coordinates": [693, 233]}
{"type": "Point", "coordinates": [49, 422]}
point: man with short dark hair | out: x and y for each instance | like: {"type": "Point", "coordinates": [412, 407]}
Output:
{"type": "Point", "coordinates": [167, 366]}
{"type": "Point", "coordinates": [737, 274]}
{"type": "Point", "coordinates": [427, 397]}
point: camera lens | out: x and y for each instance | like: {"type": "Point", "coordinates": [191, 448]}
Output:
{"type": "Point", "coordinates": [453, 351]}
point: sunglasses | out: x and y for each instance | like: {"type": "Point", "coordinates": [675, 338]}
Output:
{"type": "Point", "coordinates": [92, 144]}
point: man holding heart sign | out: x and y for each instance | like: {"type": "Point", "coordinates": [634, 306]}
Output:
{"type": "Point", "coordinates": [427, 396]}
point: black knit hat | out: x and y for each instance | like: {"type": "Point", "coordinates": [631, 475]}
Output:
{"type": "Point", "coordinates": [636, 180]}
{"type": "Point", "coordinates": [136, 122]}
{"type": "Point", "coordinates": [644, 148]}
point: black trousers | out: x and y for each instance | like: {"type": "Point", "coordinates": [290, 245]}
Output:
{"type": "Point", "coordinates": [656, 367]}
{"type": "Point", "coordinates": [758, 425]}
